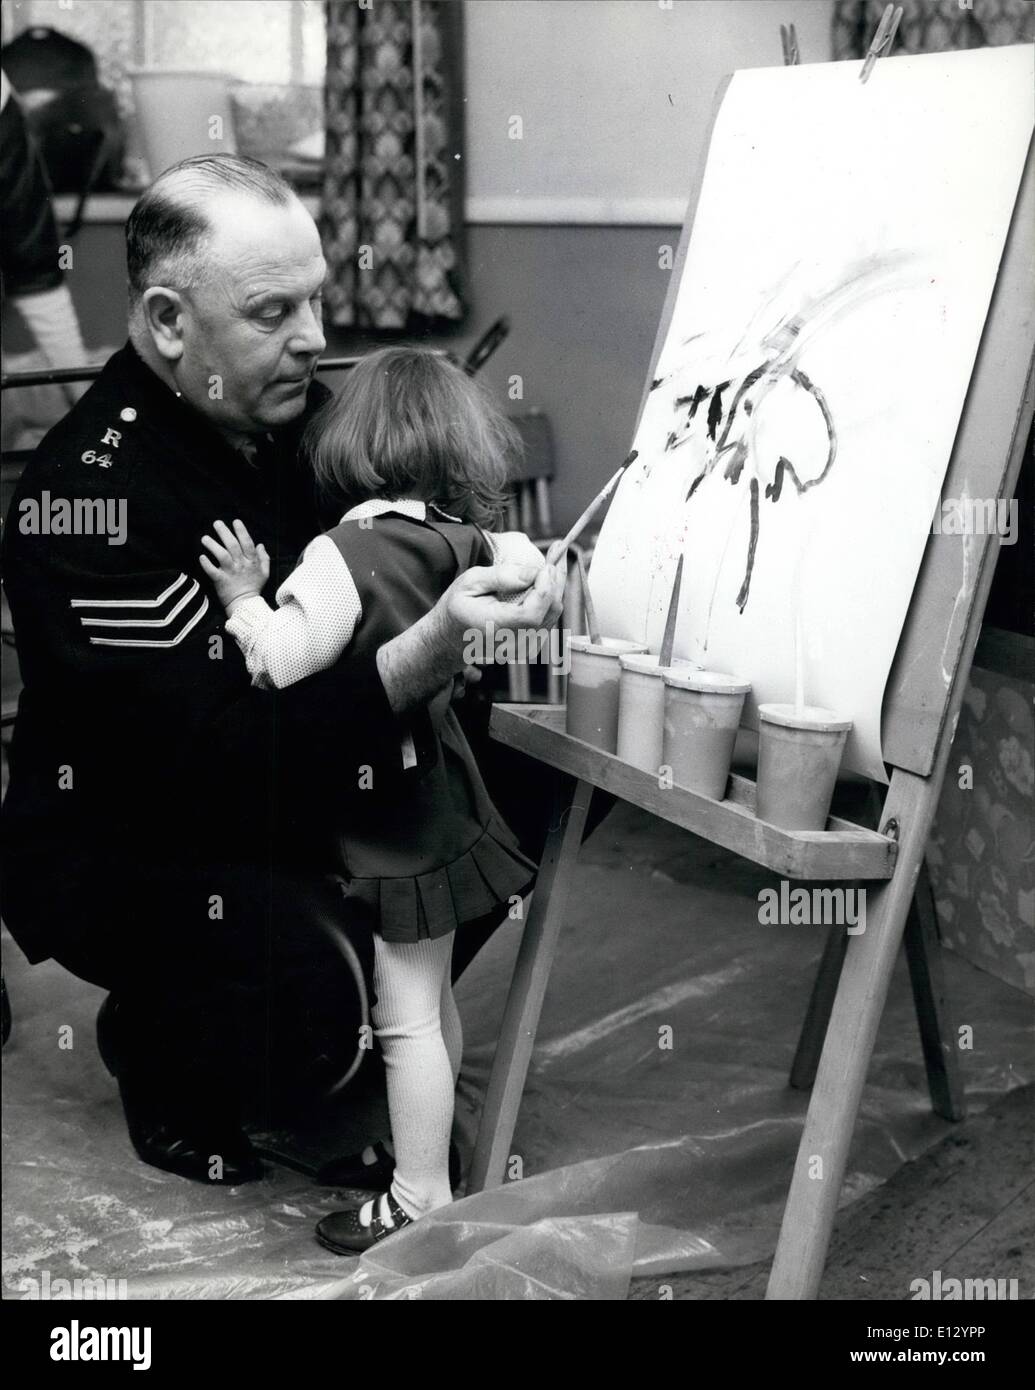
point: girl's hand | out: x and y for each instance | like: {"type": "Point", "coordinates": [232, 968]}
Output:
{"type": "Point", "coordinates": [239, 568]}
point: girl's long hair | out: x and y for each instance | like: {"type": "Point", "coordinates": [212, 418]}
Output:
{"type": "Point", "coordinates": [408, 423]}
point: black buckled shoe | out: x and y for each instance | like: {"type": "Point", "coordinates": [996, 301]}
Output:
{"type": "Point", "coordinates": [344, 1233]}
{"type": "Point", "coordinates": [352, 1171]}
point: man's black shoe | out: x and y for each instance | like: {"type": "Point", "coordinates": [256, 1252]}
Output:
{"type": "Point", "coordinates": [109, 1042]}
{"type": "Point", "coordinates": [187, 1139]}
{"type": "Point", "coordinates": [220, 1155]}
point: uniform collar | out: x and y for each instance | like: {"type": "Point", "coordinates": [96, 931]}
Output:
{"type": "Point", "coordinates": [157, 404]}
{"type": "Point", "coordinates": [405, 506]}
{"type": "Point", "coordinates": [377, 506]}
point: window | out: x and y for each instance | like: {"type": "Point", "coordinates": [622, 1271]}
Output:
{"type": "Point", "coordinates": [264, 41]}
{"type": "Point", "coordinates": [255, 40]}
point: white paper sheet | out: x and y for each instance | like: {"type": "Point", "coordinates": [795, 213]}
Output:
{"type": "Point", "coordinates": [843, 254]}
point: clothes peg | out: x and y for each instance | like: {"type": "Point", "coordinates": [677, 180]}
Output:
{"type": "Point", "coordinates": [882, 39]}
{"type": "Point", "coordinates": [789, 42]}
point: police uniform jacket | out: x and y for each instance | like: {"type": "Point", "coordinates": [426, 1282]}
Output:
{"type": "Point", "coordinates": [141, 747]}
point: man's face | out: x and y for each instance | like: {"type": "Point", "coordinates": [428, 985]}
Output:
{"type": "Point", "coordinates": [251, 328]}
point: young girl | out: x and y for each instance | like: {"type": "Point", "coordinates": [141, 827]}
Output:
{"type": "Point", "coordinates": [418, 450]}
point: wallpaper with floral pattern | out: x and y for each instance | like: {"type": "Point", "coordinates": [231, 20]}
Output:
{"type": "Point", "coordinates": [982, 849]}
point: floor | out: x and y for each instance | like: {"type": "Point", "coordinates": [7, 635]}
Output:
{"type": "Point", "coordinates": [965, 1208]}
{"type": "Point", "coordinates": [655, 1142]}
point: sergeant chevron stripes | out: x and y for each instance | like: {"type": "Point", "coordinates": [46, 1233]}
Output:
{"type": "Point", "coordinates": [188, 605]}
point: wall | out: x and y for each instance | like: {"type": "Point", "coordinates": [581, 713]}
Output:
{"type": "Point", "coordinates": [614, 98]}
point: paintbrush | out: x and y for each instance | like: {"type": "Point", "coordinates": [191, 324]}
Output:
{"type": "Point", "coordinates": [668, 641]}
{"type": "Point", "coordinates": [799, 663]}
{"type": "Point", "coordinates": [559, 548]}
{"type": "Point", "coordinates": [592, 627]}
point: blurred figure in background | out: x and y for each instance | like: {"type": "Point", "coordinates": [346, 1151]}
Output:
{"type": "Point", "coordinates": [32, 276]}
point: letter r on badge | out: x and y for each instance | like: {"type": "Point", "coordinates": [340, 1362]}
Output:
{"type": "Point", "coordinates": [111, 437]}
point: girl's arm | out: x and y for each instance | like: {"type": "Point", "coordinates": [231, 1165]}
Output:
{"type": "Point", "coordinates": [317, 609]}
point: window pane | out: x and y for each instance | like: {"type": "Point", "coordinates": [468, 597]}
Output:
{"type": "Point", "coordinates": [272, 44]}
{"type": "Point", "coordinates": [249, 39]}
{"type": "Point", "coordinates": [314, 43]}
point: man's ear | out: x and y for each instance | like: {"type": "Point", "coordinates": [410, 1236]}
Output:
{"type": "Point", "coordinates": [163, 314]}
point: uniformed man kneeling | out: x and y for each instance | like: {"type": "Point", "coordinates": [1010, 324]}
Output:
{"type": "Point", "coordinates": [165, 822]}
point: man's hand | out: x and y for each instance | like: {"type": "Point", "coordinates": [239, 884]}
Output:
{"type": "Point", "coordinates": [424, 658]}
{"type": "Point", "coordinates": [240, 568]}
{"type": "Point", "coordinates": [506, 595]}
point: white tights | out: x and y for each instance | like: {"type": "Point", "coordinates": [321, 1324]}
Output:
{"type": "Point", "coordinates": [418, 1027]}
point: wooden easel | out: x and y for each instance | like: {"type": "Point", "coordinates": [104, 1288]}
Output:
{"type": "Point", "coordinates": [921, 708]}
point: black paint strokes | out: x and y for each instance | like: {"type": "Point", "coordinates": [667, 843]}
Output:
{"type": "Point", "coordinates": [773, 489]}
{"type": "Point", "coordinates": [817, 395]}
{"type": "Point", "coordinates": [735, 462]}
{"type": "Point", "coordinates": [734, 452]}
{"type": "Point", "coordinates": [715, 409]}
{"type": "Point", "coordinates": [745, 588]}
{"type": "Point", "coordinates": [785, 467]}
{"type": "Point", "coordinates": [701, 394]}
{"type": "Point", "coordinates": [741, 391]}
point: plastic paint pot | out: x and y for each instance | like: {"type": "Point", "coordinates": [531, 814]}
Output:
{"type": "Point", "coordinates": [799, 754]}
{"type": "Point", "coordinates": [641, 708]}
{"type": "Point", "coordinates": [702, 716]}
{"type": "Point", "coordinates": [592, 711]}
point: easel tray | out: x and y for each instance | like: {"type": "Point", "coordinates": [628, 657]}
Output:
{"type": "Point", "coordinates": [843, 851]}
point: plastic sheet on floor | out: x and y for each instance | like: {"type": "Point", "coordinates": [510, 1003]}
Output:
{"type": "Point", "coordinates": [657, 1132]}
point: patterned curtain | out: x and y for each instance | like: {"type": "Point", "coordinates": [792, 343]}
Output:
{"type": "Point", "coordinates": [933, 26]}
{"type": "Point", "coordinates": [392, 212]}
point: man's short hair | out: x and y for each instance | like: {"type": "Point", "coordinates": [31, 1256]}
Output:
{"type": "Point", "coordinates": [168, 225]}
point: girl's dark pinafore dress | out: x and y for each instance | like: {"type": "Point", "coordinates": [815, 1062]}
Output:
{"type": "Point", "coordinates": [438, 855]}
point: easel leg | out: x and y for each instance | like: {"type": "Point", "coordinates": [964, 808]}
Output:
{"type": "Point", "coordinates": [528, 986]}
{"type": "Point", "coordinates": [869, 960]}
{"type": "Point", "coordinates": [930, 997]}
{"type": "Point", "coordinates": [933, 1014]}
{"type": "Point", "coordinates": [821, 1001]}
{"type": "Point", "coordinates": [926, 973]}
